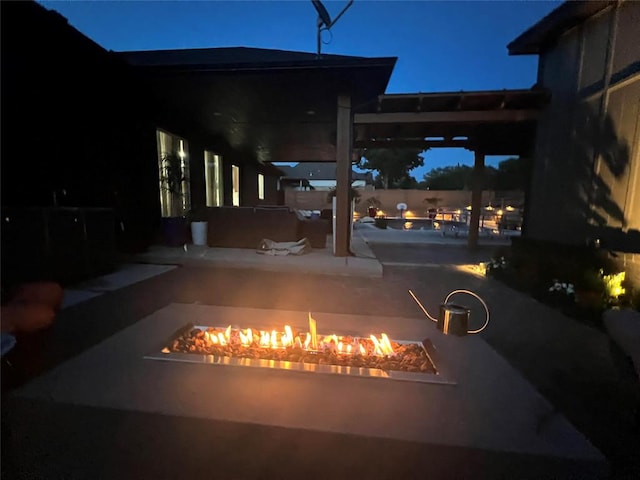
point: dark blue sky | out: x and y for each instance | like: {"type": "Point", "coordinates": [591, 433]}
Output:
{"type": "Point", "coordinates": [441, 46]}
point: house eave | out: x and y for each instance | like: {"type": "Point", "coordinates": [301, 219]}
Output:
{"type": "Point", "coordinates": [545, 32]}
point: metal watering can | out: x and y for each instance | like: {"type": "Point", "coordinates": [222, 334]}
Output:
{"type": "Point", "coordinates": [453, 319]}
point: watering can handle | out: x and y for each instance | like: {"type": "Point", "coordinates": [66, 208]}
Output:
{"type": "Point", "coordinates": [486, 309]}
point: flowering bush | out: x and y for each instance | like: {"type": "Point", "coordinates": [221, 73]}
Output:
{"type": "Point", "coordinates": [610, 290]}
{"type": "Point", "coordinates": [561, 293]}
{"type": "Point", "coordinates": [495, 265]}
{"type": "Point", "coordinates": [562, 287]}
{"type": "Point", "coordinates": [613, 285]}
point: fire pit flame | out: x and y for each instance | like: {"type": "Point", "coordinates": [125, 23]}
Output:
{"type": "Point", "coordinates": [227, 334]}
{"type": "Point", "coordinates": [246, 339]}
{"type": "Point", "coordinates": [287, 340]}
{"type": "Point", "coordinates": [312, 331]}
{"type": "Point", "coordinates": [387, 349]}
{"type": "Point", "coordinates": [253, 347]}
{"type": "Point", "coordinates": [305, 351]}
{"type": "Point", "coordinates": [341, 345]}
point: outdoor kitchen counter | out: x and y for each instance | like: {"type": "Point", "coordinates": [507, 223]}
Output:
{"type": "Point", "coordinates": [490, 407]}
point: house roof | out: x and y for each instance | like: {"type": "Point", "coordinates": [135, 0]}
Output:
{"type": "Point", "coordinates": [279, 105]}
{"type": "Point", "coordinates": [546, 31]}
{"type": "Point", "coordinates": [225, 58]}
{"type": "Point", "coordinates": [270, 169]}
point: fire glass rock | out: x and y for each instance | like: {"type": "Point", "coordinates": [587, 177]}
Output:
{"type": "Point", "coordinates": [405, 357]}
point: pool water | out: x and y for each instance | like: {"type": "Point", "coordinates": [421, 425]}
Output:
{"type": "Point", "coordinates": [410, 224]}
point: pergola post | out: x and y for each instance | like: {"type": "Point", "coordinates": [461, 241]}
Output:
{"type": "Point", "coordinates": [476, 199]}
{"type": "Point", "coordinates": [343, 176]}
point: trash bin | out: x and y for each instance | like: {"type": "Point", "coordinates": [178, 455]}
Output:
{"type": "Point", "coordinates": [199, 233]}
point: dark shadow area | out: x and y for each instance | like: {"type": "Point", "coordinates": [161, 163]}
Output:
{"type": "Point", "coordinates": [588, 193]}
{"type": "Point", "coordinates": [76, 132]}
{"type": "Point", "coordinates": [131, 445]}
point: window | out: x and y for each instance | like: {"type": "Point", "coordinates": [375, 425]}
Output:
{"type": "Point", "coordinates": [260, 186]}
{"type": "Point", "coordinates": [235, 180]}
{"type": "Point", "coordinates": [213, 179]}
{"type": "Point", "coordinates": [173, 174]}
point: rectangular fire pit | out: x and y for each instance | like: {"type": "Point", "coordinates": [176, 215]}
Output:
{"type": "Point", "coordinates": [307, 352]}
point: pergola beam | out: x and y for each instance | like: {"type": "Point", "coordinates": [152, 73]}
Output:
{"type": "Point", "coordinates": [473, 94]}
{"type": "Point", "coordinates": [457, 117]}
{"type": "Point", "coordinates": [408, 143]}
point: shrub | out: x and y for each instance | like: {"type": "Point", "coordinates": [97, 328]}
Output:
{"type": "Point", "coordinates": [541, 262]}
{"type": "Point", "coordinates": [374, 202]}
{"type": "Point", "coordinates": [590, 279]}
{"type": "Point", "coordinates": [496, 265]}
{"type": "Point", "coordinates": [561, 294]}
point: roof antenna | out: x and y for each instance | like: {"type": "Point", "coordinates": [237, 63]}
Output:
{"type": "Point", "coordinates": [324, 19]}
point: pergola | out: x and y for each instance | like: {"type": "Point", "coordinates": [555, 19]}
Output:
{"type": "Point", "coordinates": [285, 106]}
{"type": "Point", "coordinates": [497, 122]}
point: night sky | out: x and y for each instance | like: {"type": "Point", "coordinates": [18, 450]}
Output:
{"type": "Point", "coordinates": [441, 46]}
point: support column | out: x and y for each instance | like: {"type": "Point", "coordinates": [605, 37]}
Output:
{"type": "Point", "coordinates": [343, 176]}
{"type": "Point", "coordinates": [476, 199]}
{"type": "Point", "coordinates": [529, 156]}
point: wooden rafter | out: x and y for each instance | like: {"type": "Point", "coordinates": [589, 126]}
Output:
{"type": "Point", "coordinates": [459, 117]}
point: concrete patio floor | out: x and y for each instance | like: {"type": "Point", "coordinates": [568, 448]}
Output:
{"type": "Point", "coordinates": [363, 263]}
{"type": "Point", "coordinates": [489, 406]}
{"type": "Point", "coordinates": [59, 434]}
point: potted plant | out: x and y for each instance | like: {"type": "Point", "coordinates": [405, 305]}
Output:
{"type": "Point", "coordinates": [373, 204]}
{"type": "Point", "coordinates": [172, 178]}
{"type": "Point", "coordinates": [432, 203]}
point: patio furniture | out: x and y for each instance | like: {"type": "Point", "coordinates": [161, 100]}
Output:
{"type": "Point", "coordinates": [246, 227]}
{"type": "Point", "coordinates": [64, 244]}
